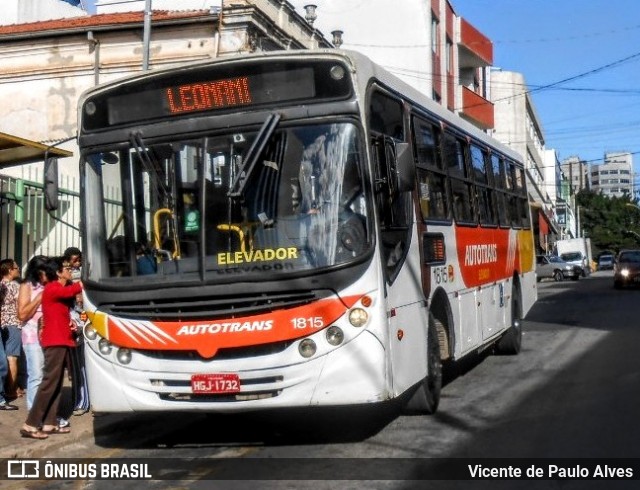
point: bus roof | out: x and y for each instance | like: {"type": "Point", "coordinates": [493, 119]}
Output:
{"type": "Point", "coordinates": [359, 63]}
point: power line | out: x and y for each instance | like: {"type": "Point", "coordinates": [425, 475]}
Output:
{"type": "Point", "coordinates": [554, 85]}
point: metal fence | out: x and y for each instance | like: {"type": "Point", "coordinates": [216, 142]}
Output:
{"type": "Point", "coordinates": [27, 229]}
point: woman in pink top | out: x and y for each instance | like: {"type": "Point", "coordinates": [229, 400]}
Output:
{"type": "Point", "coordinates": [56, 340]}
{"type": "Point", "coordinates": [29, 312]}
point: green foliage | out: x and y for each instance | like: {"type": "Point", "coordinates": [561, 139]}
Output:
{"type": "Point", "coordinates": [612, 223]}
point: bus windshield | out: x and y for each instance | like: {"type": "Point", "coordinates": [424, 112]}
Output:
{"type": "Point", "coordinates": [277, 200]}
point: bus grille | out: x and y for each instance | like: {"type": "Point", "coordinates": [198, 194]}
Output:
{"type": "Point", "coordinates": [232, 397]}
{"type": "Point", "coordinates": [224, 354]}
{"type": "Point", "coordinates": [213, 307]}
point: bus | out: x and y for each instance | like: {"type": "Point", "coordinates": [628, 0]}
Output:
{"type": "Point", "coordinates": [291, 229]}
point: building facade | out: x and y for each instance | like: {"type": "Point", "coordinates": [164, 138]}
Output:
{"type": "Point", "coordinates": [45, 66]}
{"type": "Point", "coordinates": [576, 171]}
{"type": "Point", "coordinates": [614, 177]}
{"type": "Point", "coordinates": [518, 126]}
{"type": "Point", "coordinates": [423, 42]}
{"type": "Point", "coordinates": [52, 51]}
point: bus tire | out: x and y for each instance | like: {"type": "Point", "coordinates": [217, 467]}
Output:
{"type": "Point", "coordinates": [511, 342]}
{"type": "Point", "coordinates": [427, 397]}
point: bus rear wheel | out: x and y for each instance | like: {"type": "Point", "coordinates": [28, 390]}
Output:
{"type": "Point", "coordinates": [511, 342]}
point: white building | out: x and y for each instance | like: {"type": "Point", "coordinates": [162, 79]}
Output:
{"type": "Point", "coordinates": [24, 11]}
{"type": "Point", "coordinates": [576, 171]}
{"type": "Point", "coordinates": [614, 177]}
{"type": "Point", "coordinates": [423, 42]}
{"type": "Point", "coordinates": [111, 6]}
{"type": "Point", "coordinates": [518, 126]}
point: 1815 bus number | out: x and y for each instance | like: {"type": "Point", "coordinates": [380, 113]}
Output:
{"type": "Point", "coordinates": [302, 323]}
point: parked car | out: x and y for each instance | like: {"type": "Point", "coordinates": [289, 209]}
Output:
{"type": "Point", "coordinates": [552, 266]}
{"type": "Point", "coordinates": [605, 262]}
{"type": "Point", "coordinates": [577, 259]}
{"type": "Point", "coordinates": [626, 269]}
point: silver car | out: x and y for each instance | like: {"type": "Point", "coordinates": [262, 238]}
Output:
{"type": "Point", "coordinates": [553, 267]}
{"type": "Point", "coordinates": [578, 259]}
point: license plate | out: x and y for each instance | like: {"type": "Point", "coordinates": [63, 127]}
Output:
{"type": "Point", "coordinates": [215, 383]}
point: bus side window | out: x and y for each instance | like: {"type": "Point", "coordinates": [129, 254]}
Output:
{"type": "Point", "coordinates": [513, 197]}
{"type": "Point", "coordinates": [523, 200]}
{"type": "Point", "coordinates": [484, 190]}
{"type": "Point", "coordinates": [461, 185]}
{"type": "Point", "coordinates": [385, 116]}
{"type": "Point", "coordinates": [432, 195]}
{"type": "Point", "coordinates": [497, 165]}
{"type": "Point", "coordinates": [432, 189]}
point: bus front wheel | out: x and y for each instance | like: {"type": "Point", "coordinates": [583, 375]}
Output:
{"type": "Point", "coordinates": [426, 399]}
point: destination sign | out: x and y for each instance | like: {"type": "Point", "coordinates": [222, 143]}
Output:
{"type": "Point", "coordinates": [215, 88]}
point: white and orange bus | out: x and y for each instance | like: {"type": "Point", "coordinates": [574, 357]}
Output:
{"type": "Point", "coordinates": [291, 229]}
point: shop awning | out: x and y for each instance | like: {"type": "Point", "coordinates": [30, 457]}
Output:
{"type": "Point", "coordinates": [19, 151]}
{"type": "Point", "coordinates": [542, 223]}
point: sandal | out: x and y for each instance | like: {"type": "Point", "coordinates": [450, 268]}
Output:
{"type": "Point", "coordinates": [57, 430]}
{"type": "Point", "coordinates": [33, 434]}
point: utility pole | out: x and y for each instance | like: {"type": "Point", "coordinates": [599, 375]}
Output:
{"type": "Point", "coordinates": [146, 35]}
{"type": "Point", "coordinates": [578, 224]}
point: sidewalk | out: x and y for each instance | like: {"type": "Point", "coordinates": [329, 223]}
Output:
{"type": "Point", "coordinates": [14, 446]}
{"type": "Point", "coordinates": [115, 430]}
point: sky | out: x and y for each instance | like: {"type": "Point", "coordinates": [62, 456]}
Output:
{"type": "Point", "coordinates": [580, 60]}
{"type": "Point", "coordinates": [594, 45]}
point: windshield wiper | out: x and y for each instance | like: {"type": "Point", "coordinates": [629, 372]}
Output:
{"type": "Point", "coordinates": [137, 143]}
{"type": "Point", "coordinates": [254, 152]}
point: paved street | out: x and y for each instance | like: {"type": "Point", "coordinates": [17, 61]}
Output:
{"type": "Point", "coordinates": [571, 393]}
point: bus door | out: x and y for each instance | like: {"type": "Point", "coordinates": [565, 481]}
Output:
{"type": "Point", "coordinates": [394, 168]}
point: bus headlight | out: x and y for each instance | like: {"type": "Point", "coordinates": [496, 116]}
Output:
{"type": "Point", "coordinates": [124, 356]}
{"type": "Point", "coordinates": [104, 346]}
{"type": "Point", "coordinates": [90, 332]}
{"type": "Point", "coordinates": [358, 317]}
{"type": "Point", "coordinates": [335, 335]}
{"type": "Point", "coordinates": [307, 348]}
{"type": "Point", "coordinates": [337, 72]}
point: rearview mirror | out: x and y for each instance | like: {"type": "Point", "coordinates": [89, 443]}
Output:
{"type": "Point", "coordinates": [51, 184]}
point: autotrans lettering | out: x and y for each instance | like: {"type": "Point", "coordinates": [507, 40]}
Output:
{"type": "Point", "coordinates": [481, 254]}
{"type": "Point", "coordinates": [209, 95]}
{"type": "Point", "coordinates": [225, 327]}
{"type": "Point", "coordinates": [266, 255]}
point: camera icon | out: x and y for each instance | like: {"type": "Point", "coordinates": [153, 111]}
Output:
{"type": "Point", "coordinates": [23, 468]}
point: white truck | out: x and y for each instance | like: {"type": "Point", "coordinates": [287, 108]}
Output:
{"type": "Point", "coordinates": [576, 251]}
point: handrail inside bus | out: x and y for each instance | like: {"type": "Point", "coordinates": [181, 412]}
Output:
{"type": "Point", "coordinates": [238, 230]}
{"type": "Point", "coordinates": [156, 232]}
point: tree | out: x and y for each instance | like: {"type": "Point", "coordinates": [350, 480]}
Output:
{"type": "Point", "coordinates": [612, 223]}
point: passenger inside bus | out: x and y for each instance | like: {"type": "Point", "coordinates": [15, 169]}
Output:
{"type": "Point", "coordinates": [145, 261]}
